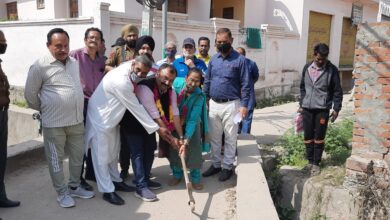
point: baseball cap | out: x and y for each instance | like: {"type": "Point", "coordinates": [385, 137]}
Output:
{"type": "Point", "coordinates": [189, 41]}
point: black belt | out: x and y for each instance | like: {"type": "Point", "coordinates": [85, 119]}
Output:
{"type": "Point", "coordinates": [3, 108]}
{"type": "Point", "coordinates": [222, 100]}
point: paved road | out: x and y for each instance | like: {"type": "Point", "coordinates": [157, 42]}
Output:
{"type": "Point", "coordinates": [31, 184]}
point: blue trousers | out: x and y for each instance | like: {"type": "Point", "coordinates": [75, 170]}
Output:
{"type": "Point", "coordinates": [247, 123]}
{"type": "Point", "coordinates": [141, 147]}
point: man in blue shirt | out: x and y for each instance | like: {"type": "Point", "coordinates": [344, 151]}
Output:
{"type": "Point", "coordinates": [245, 127]}
{"type": "Point", "coordinates": [227, 87]}
{"type": "Point", "coordinates": [184, 63]}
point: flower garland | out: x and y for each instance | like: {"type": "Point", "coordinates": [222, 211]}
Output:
{"type": "Point", "coordinates": [170, 125]}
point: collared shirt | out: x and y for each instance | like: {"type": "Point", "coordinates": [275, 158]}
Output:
{"type": "Point", "coordinates": [182, 71]}
{"type": "Point", "coordinates": [4, 88]}
{"type": "Point", "coordinates": [228, 78]}
{"type": "Point", "coordinates": [205, 60]}
{"type": "Point", "coordinates": [182, 68]}
{"type": "Point", "coordinates": [55, 90]}
{"type": "Point", "coordinates": [91, 71]}
{"type": "Point", "coordinates": [162, 61]}
{"type": "Point", "coordinates": [119, 55]}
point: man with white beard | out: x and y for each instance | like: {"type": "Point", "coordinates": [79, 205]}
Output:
{"type": "Point", "coordinates": [106, 108]}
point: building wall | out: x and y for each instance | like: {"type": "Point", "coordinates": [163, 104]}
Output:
{"type": "Point", "coordinates": [371, 133]}
{"type": "Point", "coordinates": [199, 12]}
{"type": "Point", "coordinates": [61, 9]}
{"type": "Point", "coordinates": [29, 51]}
{"type": "Point", "coordinates": [27, 10]}
{"type": "Point", "coordinates": [239, 9]}
{"type": "Point", "coordinates": [255, 13]}
{"type": "Point", "coordinates": [285, 13]}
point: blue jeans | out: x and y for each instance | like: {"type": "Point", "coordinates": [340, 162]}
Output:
{"type": "Point", "coordinates": [141, 147]}
{"type": "Point", "coordinates": [247, 122]}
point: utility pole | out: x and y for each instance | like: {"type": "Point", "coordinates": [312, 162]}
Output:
{"type": "Point", "coordinates": [147, 21]}
{"type": "Point", "coordinates": [164, 25]}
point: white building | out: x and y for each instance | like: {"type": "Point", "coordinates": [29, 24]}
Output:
{"type": "Point", "coordinates": [288, 29]}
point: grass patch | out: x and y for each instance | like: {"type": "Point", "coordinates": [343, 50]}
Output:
{"type": "Point", "coordinates": [337, 146]}
{"type": "Point", "coordinates": [20, 103]}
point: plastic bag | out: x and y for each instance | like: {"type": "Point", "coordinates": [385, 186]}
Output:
{"type": "Point", "coordinates": [298, 123]}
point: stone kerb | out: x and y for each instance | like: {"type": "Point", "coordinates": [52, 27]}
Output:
{"type": "Point", "coordinates": [253, 197]}
{"type": "Point", "coordinates": [371, 133]}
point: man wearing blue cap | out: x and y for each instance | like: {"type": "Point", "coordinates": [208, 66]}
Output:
{"type": "Point", "coordinates": [184, 63]}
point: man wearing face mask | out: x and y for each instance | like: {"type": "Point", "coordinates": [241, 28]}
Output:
{"type": "Point", "coordinates": [144, 46]}
{"type": "Point", "coordinates": [185, 62]}
{"type": "Point", "coordinates": [170, 53]}
{"type": "Point", "coordinates": [4, 103]}
{"type": "Point", "coordinates": [114, 95]}
{"type": "Point", "coordinates": [126, 52]}
{"type": "Point", "coordinates": [227, 87]}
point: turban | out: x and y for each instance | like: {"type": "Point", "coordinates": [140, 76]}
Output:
{"type": "Point", "coordinates": [144, 40]}
{"type": "Point", "coordinates": [129, 28]}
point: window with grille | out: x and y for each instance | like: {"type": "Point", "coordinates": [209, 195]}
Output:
{"type": "Point", "coordinates": [12, 11]}
{"type": "Point", "coordinates": [178, 6]}
{"type": "Point", "coordinates": [40, 4]}
{"type": "Point", "coordinates": [73, 8]}
{"type": "Point", "coordinates": [228, 13]}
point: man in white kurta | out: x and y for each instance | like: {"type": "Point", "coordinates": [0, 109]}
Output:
{"type": "Point", "coordinates": [106, 108]}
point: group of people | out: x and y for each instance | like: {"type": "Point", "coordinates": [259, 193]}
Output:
{"type": "Point", "coordinates": [103, 110]}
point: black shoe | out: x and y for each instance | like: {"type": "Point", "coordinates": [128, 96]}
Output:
{"type": "Point", "coordinates": [124, 174]}
{"type": "Point", "coordinates": [122, 186]}
{"type": "Point", "coordinates": [154, 185]}
{"type": "Point", "coordinates": [113, 198]}
{"type": "Point", "coordinates": [211, 171]}
{"type": "Point", "coordinates": [6, 203]}
{"type": "Point", "coordinates": [85, 185]}
{"type": "Point", "coordinates": [225, 175]}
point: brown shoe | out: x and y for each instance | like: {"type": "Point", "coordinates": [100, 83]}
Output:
{"type": "Point", "coordinates": [197, 186]}
{"type": "Point", "coordinates": [174, 181]}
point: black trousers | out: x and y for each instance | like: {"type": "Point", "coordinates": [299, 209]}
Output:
{"type": "Point", "coordinates": [87, 159]}
{"type": "Point", "coordinates": [315, 123]}
{"type": "Point", "coordinates": [3, 150]}
{"type": "Point", "coordinates": [124, 154]}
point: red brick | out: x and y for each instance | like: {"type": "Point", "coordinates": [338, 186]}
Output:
{"type": "Point", "coordinates": [385, 126]}
{"type": "Point", "coordinates": [383, 73]}
{"type": "Point", "coordinates": [380, 51]}
{"type": "Point", "coordinates": [387, 159]}
{"type": "Point", "coordinates": [358, 145]}
{"type": "Point", "coordinates": [385, 89]}
{"type": "Point", "coordinates": [357, 103]}
{"type": "Point", "coordinates": [387, 104]}
{"type": "Point", "coordinates": [362, 51]}
{"type": "Point", "coordinates": [358, 132]}
{"type": "Point", "coordinates": [384, 96]}
{"type": "Point", "coordinates": [356, 165]}
{"type": "Point", "coordinates": [362, 111]}
{"type": "Point", "coordinates": [378, 58]}
{"type": "Point", "coordinates": [374, 44]}
{"type": "Point", "coordinates": [384, 81]}
{"type": "Point", "coordinates": [361, 96]}
{"type": "Point", "coordinates": [359, 58]}
{"type": "Point", "coordinates": [385, 134]}
{"type": "Point", "coordinates": [358, 82]}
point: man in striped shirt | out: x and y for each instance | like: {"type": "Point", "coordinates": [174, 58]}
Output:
{"type": "Point", "coordinates": [53, 87]}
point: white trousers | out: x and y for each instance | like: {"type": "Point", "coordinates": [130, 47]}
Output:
{"type": "Point", "coordinates": [105, 173]}
{"type": "Point", "coordinates": [221, 121]}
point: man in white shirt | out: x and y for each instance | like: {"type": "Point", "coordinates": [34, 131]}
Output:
{"type": "Point", "coordinates": [106, 108]}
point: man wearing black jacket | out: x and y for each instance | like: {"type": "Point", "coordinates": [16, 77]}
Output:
{"type": "Point", "coordinates": [320, 91]}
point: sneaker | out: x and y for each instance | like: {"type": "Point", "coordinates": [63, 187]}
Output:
{"type": "Point", "coordinates": [315, 170]}
{"type": "Point", "coordinates": [211, 171]}
{"type": "Point", "coordinates": [174, 181]}
{"type": "Point", "coordinates": [225, 175]}
{"type": "Point", "coordinates": [154, 185]}
{"type": "Point", "coordinates": [81, 193]}
{"type": "Point", "coordinates": [145, 194]}
{"type": "Point", "coordinates": [65, 200]}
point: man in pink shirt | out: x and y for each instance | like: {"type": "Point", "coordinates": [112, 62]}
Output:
{"type": "Point", "coordinates": [91, 64]}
